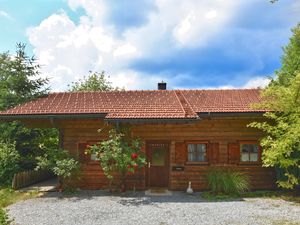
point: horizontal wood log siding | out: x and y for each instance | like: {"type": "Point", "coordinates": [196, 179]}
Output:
{"type": "Point", "coordinates": [219, 132]}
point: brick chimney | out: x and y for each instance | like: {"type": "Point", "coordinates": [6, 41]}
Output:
{"type": "Point", "coordinates": [162, 86]}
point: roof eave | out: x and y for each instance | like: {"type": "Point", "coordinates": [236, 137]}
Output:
{"type": "Point", "coordinates": [151, 120]}
{"type": "Point", "coordinates": [230, 114]}
{"type": "Point", "coordinates": [54, 116]}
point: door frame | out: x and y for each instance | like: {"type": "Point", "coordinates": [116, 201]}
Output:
{"type": "Point", "coordinates": [147, 181]}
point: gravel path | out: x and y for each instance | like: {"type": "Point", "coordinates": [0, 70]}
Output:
{"type": "Point", "coordinates": [98, 207]}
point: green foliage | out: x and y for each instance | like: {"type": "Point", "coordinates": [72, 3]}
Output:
{"type": "Point", "coordinates": [60, 162]}
{"type": "Point", "coordinates": [19, 79]}
{"type": "Point", "coordinates": [65, 168]}
{"type": "Point", "coordinates": [9, 159]}
{"type": "Point", "coordinates": [3, 217]}
{"type": "Point", "coordinates": [223, 181]}
{"type": "Point", "coordinates": [94, 82]}
{"type": "Point", "coordinates": [290, 60]}
{"type": "Point", "coordinates": [281, 142]}
{"type": "Point", "coordinates": [120, 154]}
{"type": "Point", "coordinates": [20, 82]}
{"type": "Point", "coordinates": [30, 143]}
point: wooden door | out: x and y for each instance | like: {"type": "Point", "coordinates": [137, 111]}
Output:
{"type": "Point", "coordinates": [158, 163]}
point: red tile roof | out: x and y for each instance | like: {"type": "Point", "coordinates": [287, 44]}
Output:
{"type": "Point", "coordinates": [235, 100]}
{"type": "Point", "coordinates": [162, 104]}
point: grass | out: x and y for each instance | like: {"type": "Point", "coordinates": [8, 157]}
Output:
{"type": "Point", "coordinates": [227, 182]}
{"type": "Point", "coordinates": [9, 196]}
{"type": "Point", "coordinates": [284, 195]}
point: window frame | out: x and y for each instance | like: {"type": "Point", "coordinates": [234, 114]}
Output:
{"type": "Point", "coordinates": [249, 142]}
{"type": "Point", "coordinates": [206, 162]}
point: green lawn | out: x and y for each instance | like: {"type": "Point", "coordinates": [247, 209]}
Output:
{"type": "Point", "coordinates": [9, 196]}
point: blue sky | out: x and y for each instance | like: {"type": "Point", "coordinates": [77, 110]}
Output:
{"type": "Point", "coordinates": [189, 44]}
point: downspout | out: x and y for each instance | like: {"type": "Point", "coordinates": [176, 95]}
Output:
{"type": "Point", "coordinates": [118, 126]}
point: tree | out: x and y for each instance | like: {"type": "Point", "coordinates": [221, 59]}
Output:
{"type": "Point", "coordinates": [20, 82]}
{"type": "Point", "coordinates": [9, 159]}
{"type": "Point", "coordinates": [290, 60]}
{"type": "Point", "coordinates": [119, 155]}
{"type": "Point", "coordinates": [20, 79]}
{"type": "Point", "coordinates": [281, 142]}
{"type": "Point", "coordinates": [94, 82]}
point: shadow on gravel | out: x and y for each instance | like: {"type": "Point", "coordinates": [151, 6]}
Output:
{"type": "Point", "coordinates": [134, 198]}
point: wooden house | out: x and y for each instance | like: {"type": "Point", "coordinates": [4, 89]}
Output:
{"type": "Point", "coordinates": [186, 132]}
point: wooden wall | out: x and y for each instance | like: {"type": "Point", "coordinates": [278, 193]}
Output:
{"type": "Point", "coordinates": [220, 133]}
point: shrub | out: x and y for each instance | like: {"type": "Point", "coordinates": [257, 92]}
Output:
{"type": "Point", "coordinates": [9, 158]}
{"type": "Point", "coordinates": [61, 163]}
{"type": "Point", "coordinates": [120, 154]}
{"type": "Point", "coordinates": [227, 181]}
{"type": "Point", "coordinates": [3, 217]}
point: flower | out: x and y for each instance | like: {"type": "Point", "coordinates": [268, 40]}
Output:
{"type": "Point", "coordinates": [135, 166]}
{"type": "Point", "coordinates": [134, 155]}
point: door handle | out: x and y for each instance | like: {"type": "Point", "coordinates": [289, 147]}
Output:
{"type": "Point", "coordinates": [149, 164]}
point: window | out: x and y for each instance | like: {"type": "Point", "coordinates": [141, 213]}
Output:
{"type": "Point", "coordinates": [249, 152]}
{"type": "Point", "coordinates": [94, 157]}
{"type": "Point", "coordinates": [197, 152]}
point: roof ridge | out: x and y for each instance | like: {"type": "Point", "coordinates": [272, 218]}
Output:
{"type": "Point", "coordinates": [120, 91]}
{"type": "Point", "coordinates": [188, 110]}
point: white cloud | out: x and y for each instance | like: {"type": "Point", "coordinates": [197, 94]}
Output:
{"type": "Point", "coordinates": [5, 15]}
{"type": "Point", "coordinates": [126, 49]}
{"type": "Point", "coordinates": [257, 82]}
{"type": "Point", "coordinates": [201, 20]}
{"type": "Point", "coordinates": [211, 14]}
{"type": "Point", "coordinates": [68, 50]}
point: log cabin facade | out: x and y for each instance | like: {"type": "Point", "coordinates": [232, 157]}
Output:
{"type": "Point", "coordinates": [186, 133]}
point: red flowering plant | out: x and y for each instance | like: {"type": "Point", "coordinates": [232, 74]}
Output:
{"type": "Point", "coordinates": [119, 155]}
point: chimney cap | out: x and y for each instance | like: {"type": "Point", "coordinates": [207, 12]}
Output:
{"type": "Point", "coordinates": [162, 85]}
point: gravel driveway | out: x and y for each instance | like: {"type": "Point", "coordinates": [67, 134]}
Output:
{"type": "Point", "coordinates": [98, 207]}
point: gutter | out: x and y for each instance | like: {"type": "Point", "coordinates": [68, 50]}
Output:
{"type": "Point", "coordinates": [229, 114]}
{"type": "Point", "coordinates": [53, 116]}
{"type": "Point", "coordinates": [152, 120]}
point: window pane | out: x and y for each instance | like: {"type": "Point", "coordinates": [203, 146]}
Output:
{"type": "Point", "coordinates": [249, 152]}
{"type": "Point", "coordinates": [94, 157]}
{"type": "Point", "coordinates": [192, 152]}
{"type": "Point", "coordinates": [253, 157]}
{"type": "Point", "coordinates": [201, 152]}
{"type": "Point", "coordinates": [245, 157]}
{"type": "Point", "coordinates": [254, 149]}
{"type": "Point", "coordinates": [197, 152]}
{"type": "Point", "coordinates": [158, 157]}
{"type": "Point", "coordinates": [245, 148]}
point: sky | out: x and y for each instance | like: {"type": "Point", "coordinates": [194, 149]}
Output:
{"type": "Point", "coordinates": [190, 44]}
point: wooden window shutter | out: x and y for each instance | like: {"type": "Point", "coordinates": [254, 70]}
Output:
{"type": "Point", "coordinates": [180, 152]}
{"type": "Point", "coordinates": [213, 152]}
{"type": "Point", "coordinates": [233, 153]}
{"type": "Point", "coordinates": [83, 158]}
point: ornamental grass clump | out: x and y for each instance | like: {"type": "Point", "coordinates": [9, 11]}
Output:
{"type": "Point", "coordinates": [226, 181]}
